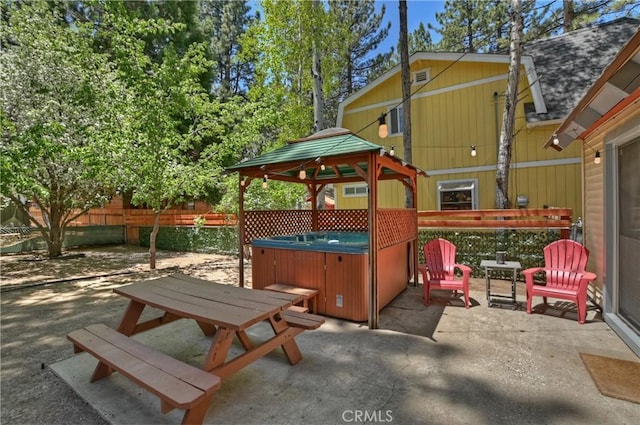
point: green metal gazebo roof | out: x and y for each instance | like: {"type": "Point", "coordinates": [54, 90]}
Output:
{"type": "Point", "coordinates": [337, 148]}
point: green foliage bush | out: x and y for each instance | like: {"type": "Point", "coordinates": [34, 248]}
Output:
{"type": "Point", "coordinates": [473, 246]}
{"type": "Point", "coordinates": [213, 240]}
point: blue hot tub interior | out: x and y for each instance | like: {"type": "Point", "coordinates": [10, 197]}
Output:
{"type": "Point", "coordinates": [349, 242]}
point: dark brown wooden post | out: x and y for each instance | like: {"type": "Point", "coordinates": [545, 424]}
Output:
{"type": "Point", "coordinates": [241, 229]}
{"type": "Point", "coordinates": [372, 176]}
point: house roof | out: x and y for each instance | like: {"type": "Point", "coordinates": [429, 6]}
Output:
{"type": "Point", "coordinates": [527, 62]}
{"type": "Point", "coordinates": [567, 64]}
{"type": "Point", "coordinates": [341, 151]}
{"type": "Point", "coordinates": [617, 87]}
{"type": "Point", "coordinates": [559, 69]}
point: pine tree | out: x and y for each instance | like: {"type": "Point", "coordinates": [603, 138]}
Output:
{"type": "Point", "coordinates": [361, 30]}
{"type": "Point", "coordinates": [224, 24]}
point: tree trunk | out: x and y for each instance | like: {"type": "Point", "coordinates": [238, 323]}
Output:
{"type": "Point", "coordinates": [54, 240]}
{"type": "Point", "coordinates": [53, 220]}
{"type": "Point", "coordinates": [567, 15]}
{"type": "Point", "coordinates": [152, 240]}
{"type": "Point", "coordinates": [511, 101]}
{"type": "Point", "coordinates": [318, 95]}
{"type": "Point", "coordinates": [406, 95]}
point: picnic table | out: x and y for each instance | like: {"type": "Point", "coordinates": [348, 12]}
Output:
{"type": "Point", "coordinates": [221, 311]}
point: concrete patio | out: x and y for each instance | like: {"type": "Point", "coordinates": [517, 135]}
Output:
{"type": "Point", "coordinates": [437, 365]}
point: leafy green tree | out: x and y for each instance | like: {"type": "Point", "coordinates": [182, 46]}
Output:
{"type": "Point", "coordinates": [167, 117]}
{"type": "Point", "coordinates": [57, 118]}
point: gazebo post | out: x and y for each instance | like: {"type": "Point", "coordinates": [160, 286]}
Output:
{"type": "Point", "coordinates": [241, 229]}
{"type": "Point", "coordinates": [414, 186]}
{"type": "Point", "coordinates": [373, 240]}
{"type": "Point", "coordinates": [314, 205]}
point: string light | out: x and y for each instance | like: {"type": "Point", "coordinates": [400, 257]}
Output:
{"type": "Point", "coordinates": [473, 150]}
{"type": "Point", "coordinates": [303, 173]}
{"type": "Point", "coordinates": [392, 152]}
{"type": "Point", "coordinates": [598, 157]}
{"type": "Point", "coordinates": [319, 161]}
{"type": "Point", "coordinates": [556, 141]}
{"type": "Point", "coordinates": [383, 130]}
{"type": "Point", "coordinates": [264, 182]}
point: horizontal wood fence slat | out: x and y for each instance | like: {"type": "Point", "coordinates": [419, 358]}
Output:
{"type": "Point", "coordinates": [540, 218]}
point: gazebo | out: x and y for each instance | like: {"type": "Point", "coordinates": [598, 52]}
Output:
{"type": "Point", "coordinates": [331, 156]}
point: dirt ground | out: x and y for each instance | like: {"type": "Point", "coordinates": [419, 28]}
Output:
{"type": "Point", "coordinates": [43, 300]}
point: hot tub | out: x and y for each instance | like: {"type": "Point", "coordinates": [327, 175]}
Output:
{"type": "Point", "coordinates": [334, 263]}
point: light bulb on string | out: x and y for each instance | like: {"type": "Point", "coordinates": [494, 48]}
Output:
{"type": "Point", "coordinates": [383, 130]}
{"type": "Point", "coordinates": [596, 159]}
{"type": "Point", "coordinates": [392, 152]}
{"type": "Point", "coordinates": [264, 182]}
{"type": "Point", "coordinates": [556, 141]}
{"type": "Point", "coordinates": [303, 173]}
{"type": "Point", "coordinates": [473, 150]}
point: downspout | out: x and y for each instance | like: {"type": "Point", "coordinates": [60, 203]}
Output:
{"type": "Point", "coordinates": [496, 121]}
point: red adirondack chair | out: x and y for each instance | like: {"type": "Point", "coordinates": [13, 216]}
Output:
{"type": "Point", "coordinates": [565, 262]}
{"type": "Point", "coordinates": [438, 272]}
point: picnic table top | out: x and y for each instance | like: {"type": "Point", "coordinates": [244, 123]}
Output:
{"type": "Point", "coordinates": [208, 302]}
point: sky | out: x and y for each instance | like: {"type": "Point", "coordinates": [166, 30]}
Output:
{"type": "Point", "coordinates": [417, 11]}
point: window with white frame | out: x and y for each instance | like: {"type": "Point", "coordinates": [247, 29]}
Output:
{"type": "Point", "coordinates": [458, 194]}
{"type": "Point", "coordinates": [396, 119]}
{"type": "Point", "coordinates": [353, 190]}
{"type": "Point", "coordinates": [422, 76]}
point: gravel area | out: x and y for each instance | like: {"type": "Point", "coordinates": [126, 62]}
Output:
{"type": "Point", "coordinates": [43, 300]}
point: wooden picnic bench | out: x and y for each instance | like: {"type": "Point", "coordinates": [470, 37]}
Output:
{"type": "Point", "coordinates": [221, 311]}
{"type": "Point", "coordinates": [177, 384]}
{"type": "Point", "coordinates": [306, 294]}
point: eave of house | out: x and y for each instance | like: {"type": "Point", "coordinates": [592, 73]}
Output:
{"type": "Point", "coordinates": [617, 87]}
{"type": "Point", "coordinates": [527, 62]}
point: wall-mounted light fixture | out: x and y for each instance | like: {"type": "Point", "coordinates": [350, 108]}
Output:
{"type": "Point", "coordinates": [383, 130]}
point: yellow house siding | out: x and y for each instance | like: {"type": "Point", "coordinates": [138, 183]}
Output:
{"type": "Point", "coordinates": [456, 110]}
{"type": "Point", "coordinates": [594, 199]}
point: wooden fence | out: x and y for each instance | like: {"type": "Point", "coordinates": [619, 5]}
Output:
{"type": "Point", "coordinates": [542, 218]}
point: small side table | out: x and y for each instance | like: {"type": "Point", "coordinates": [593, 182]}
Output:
{"type": "Point", "coordinates": [490, 265]}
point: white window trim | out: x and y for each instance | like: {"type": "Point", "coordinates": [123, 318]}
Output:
{"type": "Point", "coordinates": [473, 186]}
{"type": "Point", "coordinates": [389, 113]}
{"type": "Point", "coordinates": [355, 187]}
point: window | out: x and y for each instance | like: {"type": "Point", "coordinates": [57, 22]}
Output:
{"type": "Point", "coordinates": [458, 195]}
{"type": "Point", "coordinates": [396, 118]}
{"type": "Point", "coordinates": [355, 190]}
{"type": "Point", "coordinates": [422, 76]}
